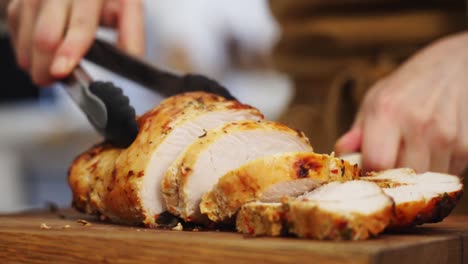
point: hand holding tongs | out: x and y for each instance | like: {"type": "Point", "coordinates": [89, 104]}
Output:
{"type": "Point", "coordinates": [105, 105]}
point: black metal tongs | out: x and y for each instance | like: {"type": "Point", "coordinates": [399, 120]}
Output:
{"type": "Point", "coordinates": [105, 105]}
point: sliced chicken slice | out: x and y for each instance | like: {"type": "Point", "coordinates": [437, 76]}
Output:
{"type": "Point", "coordinates": [350, 210]}
{"type": "Point", "coordinates": [133, 192]}
{"type": "Point", "coordinates": [262, 219]}
{"type": "Point", "coordinates": [198, 169]}
{"type": "Point", "coordinates": [270, 178]}
{"type": "Point", "coordinates": [419, 198]}
{"type": "Point", "coordinates": [86, 174]}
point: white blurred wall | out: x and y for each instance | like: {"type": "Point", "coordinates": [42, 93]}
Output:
{"type": "Point", "coordinates": [199, 28]}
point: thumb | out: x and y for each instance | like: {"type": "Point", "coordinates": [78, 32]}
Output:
{"type": "Point", "coordinates": [350, 142]}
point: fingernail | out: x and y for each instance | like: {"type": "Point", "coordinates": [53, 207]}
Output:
{"type": "Point", "coordinates": [338, 148]}
{"type": "Point", "coordinates": [133, 49]}
{"type": "Point", "coordinates": [61, 66]}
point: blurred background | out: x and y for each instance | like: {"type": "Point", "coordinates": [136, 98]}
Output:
{"type": "Point", "coordinates": [42, 130]}
{"type": "Point", "coordinates": [306, 63]}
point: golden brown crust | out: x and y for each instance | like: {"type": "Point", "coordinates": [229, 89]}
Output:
{"type": "Point", "coordinates": [414, 213]}
{"type": "Point", "coordinates": [248, 182]}
{"type": "Point", "coordinates": [180, 171]}
{"type": "Point", "coordinates": [116, 192]}
{"type": "Point", "coordinates": [102, 179]}
{"type": "Point", "coordinates": [87, 171]}
{"type": "Point", "coordinates": [261, 219]}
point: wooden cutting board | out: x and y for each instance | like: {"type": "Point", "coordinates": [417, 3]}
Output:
{"type": "Point", "coordinates": [23, 240]}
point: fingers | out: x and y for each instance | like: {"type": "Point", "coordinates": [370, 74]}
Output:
{"type": "Point", "coordinates": [381, 135]}
{"type": "Point", "coordinates": [380, 143]}
{"type": "Point", "coordinates": [415, 154]}
{"type": "Point", "coordinates": [48, 34]}
{"type": "Point", "coordinates": [81, 30]}
{"type": "Point", "coordinates": [51, 36]}
{"type": "Point", "coordinates": [29, 10]}
{"type": "Point", "coordinates": [428, 137]}
{"type": "Point", "coordinates": [110, 13]}
{"type": "Point", "coordinates": [131, 27]}
{"type": "Point", "coordinates": [349, 142]}
{"type": "Point", "coordinates": [375, 132]}
{"type": "Point", "coordinates": [441, 141]}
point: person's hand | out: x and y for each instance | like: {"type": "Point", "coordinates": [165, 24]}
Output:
{"type": "Point", "coordinates": [51, 36]}
{"type": "Point", "coordinates": [418, 116]}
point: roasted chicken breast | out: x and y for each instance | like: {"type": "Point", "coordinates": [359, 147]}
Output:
{"type": "Point", "coordinates": [133, 193]}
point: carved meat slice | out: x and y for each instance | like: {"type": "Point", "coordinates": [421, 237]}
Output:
{"type": "Point", "coordinates": [351, 210]}
{"type": "Point", "coordinates": [198, 169]}
{"type": "Point", "coordinates": [272, 177]}
{"type": "Point", "coordinates": [133, 183]}
{"type": "Point", "coordinates": [419, 198]}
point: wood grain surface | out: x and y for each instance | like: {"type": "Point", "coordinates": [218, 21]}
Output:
{"type": "Point", "coordinates": [23, 240]}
